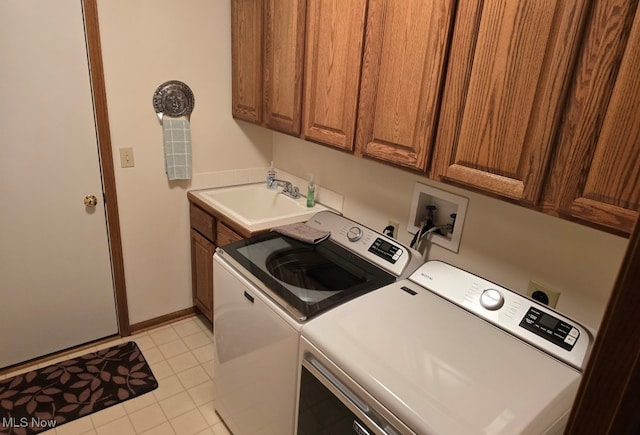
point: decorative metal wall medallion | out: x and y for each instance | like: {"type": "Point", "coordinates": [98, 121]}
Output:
{"type": "Point", "coordinates": [173, 98]}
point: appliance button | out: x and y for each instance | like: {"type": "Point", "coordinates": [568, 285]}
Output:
{"type": "Point", "coordinates": [570, 339]}
{"type": "Point", "coordinates": [574, 332]}
{"type": "Point", "coordinates": [354, 234]}
{"type": "Point", "coordinates": [491, 299]}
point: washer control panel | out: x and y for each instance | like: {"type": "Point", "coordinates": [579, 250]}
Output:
{"type": "Point", "coordinates": [375, 247]}
{"type": "Point", "coordinates": [524, 318]}
{"type": "Point", "coordinates": [386, 250]}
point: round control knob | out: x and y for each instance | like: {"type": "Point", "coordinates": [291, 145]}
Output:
{"type": "Point", "coordinates": [491, 299]}
{"type": "Point", "coordinates": [354, 234]}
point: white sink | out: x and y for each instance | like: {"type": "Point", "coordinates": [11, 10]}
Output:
{"type": "Point", "coordinates": [256, 207]}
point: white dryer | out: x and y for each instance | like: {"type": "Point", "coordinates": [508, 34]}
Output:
{"type": "Point", "coordinates": [443, 352]}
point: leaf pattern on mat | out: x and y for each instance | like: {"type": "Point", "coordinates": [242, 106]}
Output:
{"type": "Point", "coordinates": [31, 402]}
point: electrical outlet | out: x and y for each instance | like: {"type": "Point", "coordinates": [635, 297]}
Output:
{"type": "Point", "coordinates": [396, 227]}
{"type": "Point", "coordinates": [126, 158]}
{"type": "Point", "coordinates": [543, 294]}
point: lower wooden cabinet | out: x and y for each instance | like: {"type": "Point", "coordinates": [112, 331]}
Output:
{"type": "Point", "coordinates": [202, 251]}
{"type": "Point", "coordinates": [226, 235]}
{"type": "Point", "coordinates": [208, 231]}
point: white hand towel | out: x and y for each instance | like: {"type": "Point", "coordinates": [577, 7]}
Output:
{"type": "Point", "coordinates": [177, 148]}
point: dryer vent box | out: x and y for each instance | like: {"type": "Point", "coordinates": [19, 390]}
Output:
{"type": "Point", "coordinates": [446, 204]}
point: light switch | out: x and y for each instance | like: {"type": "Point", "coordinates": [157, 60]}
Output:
{"type": "Point", "coordinates": [126, 158]}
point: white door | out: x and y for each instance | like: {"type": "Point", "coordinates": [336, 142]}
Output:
{"type": "Point", "coordinates": [56, 287]}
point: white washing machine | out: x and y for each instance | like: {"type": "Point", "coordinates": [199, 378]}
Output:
{"type": "Point", "coordinates": [443, 352]}
{"type": "Point", "coordinates": [266, 288]}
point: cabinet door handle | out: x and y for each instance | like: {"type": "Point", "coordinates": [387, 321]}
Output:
{"type": "Point", "coordinates": [248, 296]}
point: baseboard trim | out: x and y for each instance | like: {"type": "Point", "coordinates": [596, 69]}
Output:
{"type": "Point", "coordinates": [134, 329]}
{"type": "Point", "coordinates": [137, 328]}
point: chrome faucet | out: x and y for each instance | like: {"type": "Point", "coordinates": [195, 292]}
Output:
{"type": "Point", "coordinates": [288, 189]}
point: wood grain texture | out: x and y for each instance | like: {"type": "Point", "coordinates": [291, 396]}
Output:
{"type": "Point", "coordinates": [209, 228]}
{"type": "Point", "coordinates": [596, 173]}
{"type": "Point", "coordinates": [614, 175]}
{"type": "Point", "coordinates": [246, 60]}
{"type": "Point", "coordinates": [226, 235]}
{"type": "Point", "coordinates": [96, 71]}
{"type": "Point", "coordinates": [509, 72]}
{"type": "Point", "coordinates": [283, 69]}
{"type": "Point", "coordinates": [202, 251]}
{"type": "Point", "coordinates": [203, 222]}
{"type": "Point", "coordinates": [217, 216]}
{"type": "Point", "coordinates": [334, 40]}
{"type": "Point", "coordinates": [406, 45]}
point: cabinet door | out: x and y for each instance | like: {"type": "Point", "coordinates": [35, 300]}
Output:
{"type": "Point", "coordinates": [202, 251]}
{"type": "Point", "coordinates": [403, 64]}
{"type": "Point", "coordinates": [246, 59]}
{"type": "Point", "coordinates": [334, 38]}
{"type": "Point", "coordinates": [598, 169]}
{"type": "Point", "coordinates": [226, 235]}
{"type": "Point", "coordinates": [284, 51]}
{"type": "Point", "coordinates": [509, 71]}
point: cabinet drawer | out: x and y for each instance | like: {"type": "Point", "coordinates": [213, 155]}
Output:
{"type": "Point", "coordinates": [203, 222]}
{"type": "Point", "coordinates": [226, 235]}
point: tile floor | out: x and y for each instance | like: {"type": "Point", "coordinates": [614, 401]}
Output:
{"type": "Point", "coordinates": [181, 357]}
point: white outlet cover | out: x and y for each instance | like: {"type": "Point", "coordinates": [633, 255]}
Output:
{"type": "Point", "coordinates": [446, 203]}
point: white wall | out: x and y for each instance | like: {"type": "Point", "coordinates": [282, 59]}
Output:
{"type": "Point", "coordinates": [502, 242]}
{"type": "Point", "coordinates": [145, 43]}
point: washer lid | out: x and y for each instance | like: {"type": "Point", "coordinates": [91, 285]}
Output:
{"type": "Point", "coordinates": [439, 368]}
{"type": "Point", "coordinates": [308, 278]}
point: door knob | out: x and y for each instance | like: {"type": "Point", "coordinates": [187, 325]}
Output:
{"type": "Point", "coordinates": [90, 201]}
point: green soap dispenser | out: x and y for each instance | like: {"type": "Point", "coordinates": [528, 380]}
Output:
{"type": "Point", "coordinates": [311, 193]}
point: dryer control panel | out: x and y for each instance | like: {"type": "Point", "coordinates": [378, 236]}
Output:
{"type": "Point", "coordinates": [550, 328]}
{"type": "Point", "coordinates": [530, 321]}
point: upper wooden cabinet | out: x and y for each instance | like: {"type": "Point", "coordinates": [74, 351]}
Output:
{"type": "Point", "coordinates": [533, 101]}
{"type": "Point", "coordinates": [402, 72]}
{"type": "Point", "coordinates": [334, 38]}
{"type": "Point", "coordinates": [508, 73]}
{"type": "Point", "coordinates": [284, 25]}
{"type": "Point", "coordinates": [596, 174]}
{"type": "Point", "coordinates": [267, 49]}
{"type": "Point", "coordinates": [246, 60]}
